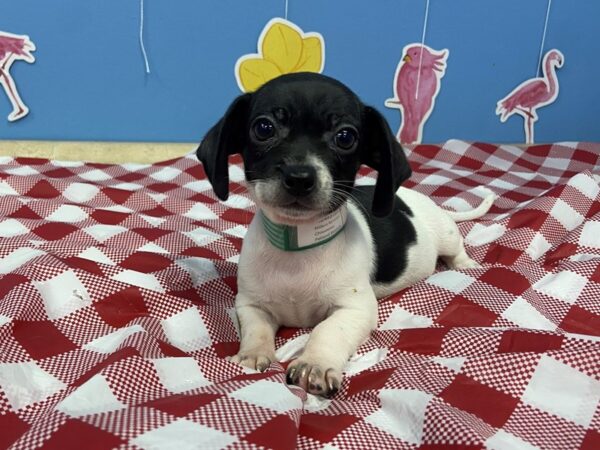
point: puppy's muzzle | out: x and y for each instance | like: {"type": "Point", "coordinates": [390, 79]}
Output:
{"type": "Point", "coordinates": [298, 180]}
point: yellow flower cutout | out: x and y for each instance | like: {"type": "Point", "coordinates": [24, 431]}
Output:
{"type": "Point", "coordinates": [282, 48]}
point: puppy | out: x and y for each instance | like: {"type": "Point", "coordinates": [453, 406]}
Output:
{"type": "Point", "coordinates": [320, 251]}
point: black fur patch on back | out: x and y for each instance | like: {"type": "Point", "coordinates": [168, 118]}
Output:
{"type": "Point", "coordinates": [392, 235]}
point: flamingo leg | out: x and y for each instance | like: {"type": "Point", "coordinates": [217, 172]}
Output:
{"type": "Point", "coordinates": [529, 128]}
{"type": "Point", "coordinates": [6, 62]}
{"type": "Point", "coordinates": [531, 131]}
{"type": "Point", "coordinates": [7, 82]}
{"type": "Point", "coordinates": [527, 112]}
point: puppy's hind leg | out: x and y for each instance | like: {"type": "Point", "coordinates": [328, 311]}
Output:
{"type": "Point", "coordinates": [452, 249]}
{"type": "Point", "coordinates": [257, 346]}
{"type": "Point", "coordinates": [460, 261]}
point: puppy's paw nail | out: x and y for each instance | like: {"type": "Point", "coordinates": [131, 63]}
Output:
{"type": "Point", "coordinates": [313, 378]}
{"type": "Point", "coordinates": [297, 375]}
{"type": "Point", "coordinates": [289, 377]}
{"type": "Point", "coordinates": [333, 383]}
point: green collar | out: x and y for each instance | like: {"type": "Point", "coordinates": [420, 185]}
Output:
{"type": "Point", "coordinates": [294, 238]}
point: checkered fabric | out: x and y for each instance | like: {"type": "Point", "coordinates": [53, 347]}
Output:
{"type": "Point", "coordinates": [117, 287]}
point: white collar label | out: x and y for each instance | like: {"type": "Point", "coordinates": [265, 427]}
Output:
{"type": "Point", "coordinates": [306, 235]}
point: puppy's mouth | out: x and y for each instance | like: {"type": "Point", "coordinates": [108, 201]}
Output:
{"type": "Point", "coordinates": [293, 212]}
{"type": "Point", "coordinates": [297, 204]}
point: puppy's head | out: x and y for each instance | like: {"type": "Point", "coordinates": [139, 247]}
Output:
{"type": "Point", "coordinates": [303, 138]}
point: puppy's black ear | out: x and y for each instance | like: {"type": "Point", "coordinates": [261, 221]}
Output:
{"type": "Point", "coordinates": [227, 137]}
{"type": "Point", "coordinates": [382, 152]}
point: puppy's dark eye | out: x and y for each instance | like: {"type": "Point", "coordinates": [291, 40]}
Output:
{"type": "Point", "coordinates": [263, 129]}
{"type": "Point", "coordinates": [345, 138]}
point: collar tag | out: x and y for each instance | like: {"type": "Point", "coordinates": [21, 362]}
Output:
{"type": "Point", "coordinates": [307, 235]}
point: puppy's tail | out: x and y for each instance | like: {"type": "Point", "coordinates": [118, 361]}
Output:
{"type": "Point", "coordinates": [484, 207]}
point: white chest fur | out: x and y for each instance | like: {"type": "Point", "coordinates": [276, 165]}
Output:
{"type": "Point", "coordinates": [301, 288]}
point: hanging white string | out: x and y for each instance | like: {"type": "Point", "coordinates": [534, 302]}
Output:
{"type": "Point", "coordinates": [286, 9]}
{"type": "Point", "coordinates": [539, 64]}
{"type": "Point", "coordinates": [142, 36]}
{"type": "Point", "coordinates": [422, 44]}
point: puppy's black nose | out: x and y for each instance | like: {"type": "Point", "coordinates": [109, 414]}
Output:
{"type": "Point", "coordinates": [299, 180]}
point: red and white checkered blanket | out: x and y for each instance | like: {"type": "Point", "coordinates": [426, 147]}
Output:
{"type": "Point", "coordinates": [117, 285]}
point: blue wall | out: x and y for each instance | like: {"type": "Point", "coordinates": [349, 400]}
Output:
{"type": "Point", "coordinates": [89, 83]}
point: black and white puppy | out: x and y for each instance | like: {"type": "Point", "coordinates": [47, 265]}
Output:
{"type": "Point", "coordinates": [320, 251]}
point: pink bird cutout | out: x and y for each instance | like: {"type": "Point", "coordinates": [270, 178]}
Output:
{"type": "Point", "coordinates": [416, 94]}
{"type": "Point", "coordinates": [532, 94]}
{"type": "Point", "coordinates": [12, 48]}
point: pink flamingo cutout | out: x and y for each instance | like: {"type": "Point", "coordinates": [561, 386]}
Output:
{"type": "Point", "coordinates": [416, 90]}
{"type": "Point", "coordinates": [12, 48]}
{"type": "Point", "coordinates": [532, 94]}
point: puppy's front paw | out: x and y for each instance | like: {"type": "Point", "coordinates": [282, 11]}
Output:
{"type": "Point", "coordinates": [254, 360]}
{"type": "Point", "coordinates": [313, 378]}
